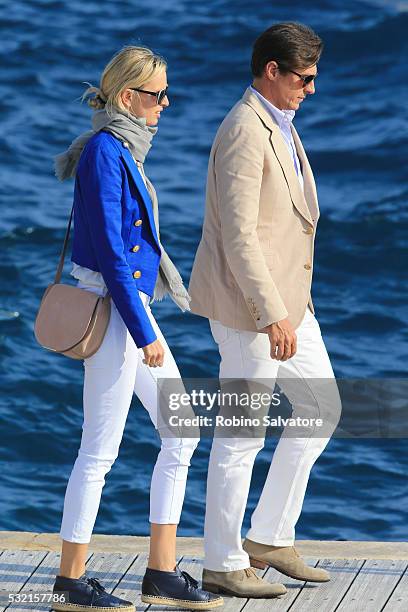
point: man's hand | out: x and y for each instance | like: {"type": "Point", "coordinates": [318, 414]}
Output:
{"type": "Point", "coordinates": [154, 354]}
{"type": "Point", "coordinates": [282, 338]}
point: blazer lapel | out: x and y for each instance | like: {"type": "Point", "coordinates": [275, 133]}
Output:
{"type": "Point", "coordinates": [137, 177]}
{"type": "Point", "coordinates": [309, 184]}
{"type": "Point", "coordinates": [282, 154]}
{"type": "Point", "coordinates": [288, 167]}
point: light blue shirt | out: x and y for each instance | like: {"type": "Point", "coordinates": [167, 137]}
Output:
{"type": "Point", "coordinates": [283, 118]}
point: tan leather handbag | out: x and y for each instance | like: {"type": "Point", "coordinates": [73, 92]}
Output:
{"type": "Point", "coordinates": [70, 320]}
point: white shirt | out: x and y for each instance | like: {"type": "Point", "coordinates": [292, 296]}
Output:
{"type": "Point", "coordinates": [284, 119]}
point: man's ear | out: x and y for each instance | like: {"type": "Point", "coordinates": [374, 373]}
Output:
{"type": "Point", "coordinates": [271, 70]}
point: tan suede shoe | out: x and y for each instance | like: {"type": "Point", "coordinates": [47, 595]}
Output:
{"type": "Point", "coordinates": [241, 583]}
{"type": "Point", "coordinates": [285, 559]}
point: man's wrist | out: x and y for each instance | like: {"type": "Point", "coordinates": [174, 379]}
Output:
{"type": "Point", "coordinates": [268, 327]}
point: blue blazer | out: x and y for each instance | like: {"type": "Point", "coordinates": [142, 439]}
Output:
{"type": "Point", "coordinates": [114, 229]}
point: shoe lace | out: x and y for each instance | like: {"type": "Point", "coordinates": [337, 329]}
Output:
{"type": "Point", "coordinates": [191, 582]}
{"type": "Point", "coordinates": [250, 573]}
{"type": "Point", "coordinates": [95, 584]}
{"type": "Point", "coordinates": [296, 552]}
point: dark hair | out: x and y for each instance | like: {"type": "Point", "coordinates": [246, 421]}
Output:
{"type": "Point", "coordinates": [292, 45]}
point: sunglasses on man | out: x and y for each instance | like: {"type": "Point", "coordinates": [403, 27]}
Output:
{"type": "Point", "coordinates": [160, 95]}
{"type": "Point", "coordinates": [306, 78]}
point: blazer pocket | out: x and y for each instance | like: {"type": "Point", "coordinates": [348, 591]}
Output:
{"type": "Point", "coordinates": [272, 258]}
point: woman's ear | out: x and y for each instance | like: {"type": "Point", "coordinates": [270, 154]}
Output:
{"type": "Point", "coordinates": [126, 98]}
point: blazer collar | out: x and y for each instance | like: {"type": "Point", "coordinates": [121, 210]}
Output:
{"type": "Point", "coordinates": [254, 102]}
{"type": "Point", "coordinates": [305, 202]}
{"type": "Point", "coordinates": [140, 184]}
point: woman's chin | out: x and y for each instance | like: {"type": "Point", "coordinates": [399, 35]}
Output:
{"type": "Point", "coordinates": [153, 121]}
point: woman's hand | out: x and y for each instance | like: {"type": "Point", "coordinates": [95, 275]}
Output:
{"type": "Point", "coordinates": [154, 354]}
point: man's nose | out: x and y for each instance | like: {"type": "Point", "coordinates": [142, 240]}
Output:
{"type": "Point", "coordinates": [310, 88]}
{"type": "Point", "coordinates": [165, 101]}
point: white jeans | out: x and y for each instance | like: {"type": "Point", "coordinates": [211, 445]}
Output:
{"type": "Point", "coordinates": [111, 376]}
{"type": "Point", "coordinates": [246, 355]}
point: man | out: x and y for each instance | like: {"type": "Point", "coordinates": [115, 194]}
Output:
{"type": "Point", "coordinates": [252, 279]}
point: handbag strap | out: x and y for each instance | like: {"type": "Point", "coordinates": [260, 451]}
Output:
{"type": "Point", "coordinates": [64, 248]}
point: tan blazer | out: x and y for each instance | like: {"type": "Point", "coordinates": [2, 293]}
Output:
{"type": "Point", "coordinates": [254, 263]}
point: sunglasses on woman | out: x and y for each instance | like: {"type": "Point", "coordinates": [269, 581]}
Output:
{"type": "Point", "coordinates": [160, 95]}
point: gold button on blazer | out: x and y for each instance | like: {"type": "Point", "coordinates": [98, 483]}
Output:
{"type": "Point", "coordinates": [258, 231]}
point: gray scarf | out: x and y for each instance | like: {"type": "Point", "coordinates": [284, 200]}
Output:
{"type": "Point", "coordinates": [138, 135]}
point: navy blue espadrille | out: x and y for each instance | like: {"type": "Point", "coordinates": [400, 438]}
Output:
{"type": "Point", "coordinates": [177, 589]}
{"type": "Point", "coordinates": [86, 594]}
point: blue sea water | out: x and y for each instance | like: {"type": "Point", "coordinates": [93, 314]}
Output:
{"type": "Point", "coordinates": [355, 132]}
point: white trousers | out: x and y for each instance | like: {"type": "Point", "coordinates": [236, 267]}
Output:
{"type": "Point", "coordinates": [246, 355]}
{"type": "Point", "coordinates": [111, 376]}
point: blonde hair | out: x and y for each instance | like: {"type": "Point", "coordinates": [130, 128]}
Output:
{"type": "Point", "coordinates": [130, 67]}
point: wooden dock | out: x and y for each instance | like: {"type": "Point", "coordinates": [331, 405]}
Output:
{"type": "Point", "coordinates": [366, 576]}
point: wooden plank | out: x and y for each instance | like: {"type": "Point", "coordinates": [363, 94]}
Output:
{"type": "Point", "coordinates": [41, 581]}
{"type": "Point", "coordinates": [99, 543]}
{"type": "Point", "coordinates": [284, 602]}
{"type": "Point", "coordinates": [398, 602]}
{"type": "Point", "coordinates": [18, 540]}
{"type": "Point", "coordinates": [368, 586]}
{"type": "Point", "coordinates": [326, 596]}
{"type": "Point", "coordinates": [373, 585]}
{"type": "Point", "coordinates": [109, 568]}
{"type": "Point", "coordinates": [16, 567]}
{"type": "Point", "coordinates": [28, 540]}
{"type": "Point", "coordinates": [130, 586]}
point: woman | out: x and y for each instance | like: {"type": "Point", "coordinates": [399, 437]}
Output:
{"type": "Point", "coordinates": [116, 248]}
